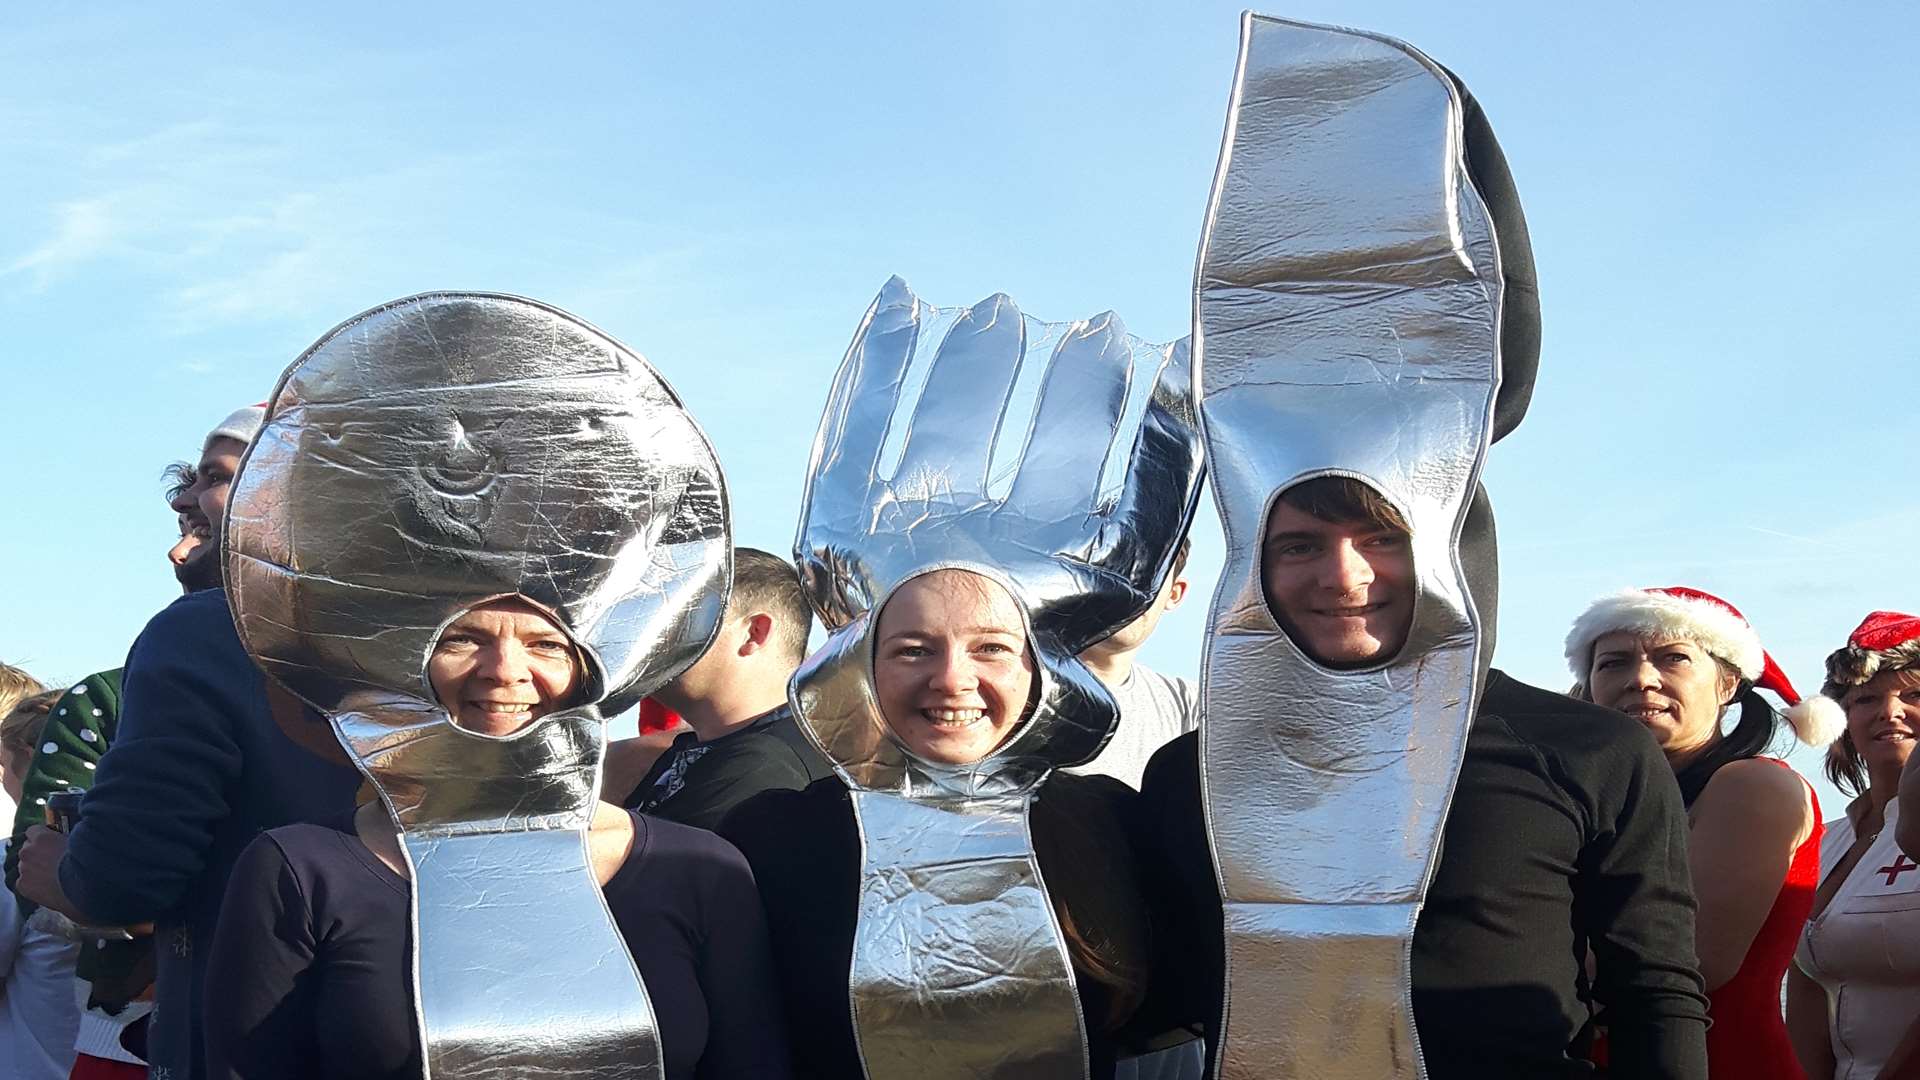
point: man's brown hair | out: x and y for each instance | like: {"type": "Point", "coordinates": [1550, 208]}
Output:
{"type": "Point", "coordinates": [1180, 557]}
{"type": "Point", "coordinates": [766, 582]}
{"type": "Point", "coordinates": [1342, 500]}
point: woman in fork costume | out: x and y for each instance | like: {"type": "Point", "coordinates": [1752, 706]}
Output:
{"type": "Point", "coordinates": [950, 904]}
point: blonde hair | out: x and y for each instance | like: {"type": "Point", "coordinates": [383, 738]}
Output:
{"type": "Point", "coordinates": [20, 731]}
{"type": "Point", "coordinates": [16, 686]}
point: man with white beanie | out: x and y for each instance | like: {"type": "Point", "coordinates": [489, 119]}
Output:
{"type": "Point", "coordinates": [204, 503]}
{"type": "Point", "coordinates": [205, 757]}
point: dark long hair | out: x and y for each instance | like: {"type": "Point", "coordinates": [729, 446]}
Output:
{"type": "Point", "coordinates": [1094, 883]}
{"type": "Point", "coordinates": [1749, 738]}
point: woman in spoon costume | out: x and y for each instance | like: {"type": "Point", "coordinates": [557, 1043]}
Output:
{"type": "Point", "coordinates": [472, 528]}
{"type": "Point", "coordinates": [937, 905]}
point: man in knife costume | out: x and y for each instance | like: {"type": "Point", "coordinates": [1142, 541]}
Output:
{"type": "Point", "coordinates": [1365, 328]}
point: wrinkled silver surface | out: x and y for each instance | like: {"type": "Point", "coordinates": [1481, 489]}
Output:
{"type": "Point", "coordinates": [424, 457]}
{"type": "Point", "coordinates": [959, 969]}
{"type": "Point", "coordinates": [1347, 307]}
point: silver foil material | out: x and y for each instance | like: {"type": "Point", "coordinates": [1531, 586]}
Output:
{"type": "Point", "coordinates": [1347, 308]}
{"type": "Point", "coordinates": [424, 457]}
{"type": "Point", "coordinates": [959, 968]}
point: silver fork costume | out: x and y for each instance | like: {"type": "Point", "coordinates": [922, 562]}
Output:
{"type": "Point", "coordinates": [424, 457]}
{"type": "Point", "coordinates": [1348, 307]}
{"type": "Point", "coordinates": [959, 969]}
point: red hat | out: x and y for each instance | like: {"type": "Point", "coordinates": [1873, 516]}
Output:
{"type": "Point", "coordinates": [655, 717]}
{"type": "Point", "coordinates": [1699, 617]}
{"type": "Point", "coordinates": [1884, 641]}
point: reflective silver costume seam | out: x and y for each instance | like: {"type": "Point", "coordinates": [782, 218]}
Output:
{"type": "Point", "coordinates": [1347, 310]}
{"type": "Point", "coordinates": [427, 456]}
{"type": "Point", "coordinates": [959, 965]}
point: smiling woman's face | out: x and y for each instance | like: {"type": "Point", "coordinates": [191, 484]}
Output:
{"type": "Point", "coordinates": [1883, 717]}
{"type": "Point", "coordinates": [951, 668]}
{"type": "Point", "coordinates": [501, 666]}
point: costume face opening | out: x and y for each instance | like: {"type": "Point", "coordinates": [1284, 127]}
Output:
{"type": "Point", "coordinates": [502, 665]}
{"type": "Point", "coordinates": [1336, 566]}
{"type": "Point", "coordinates": [952, 671]}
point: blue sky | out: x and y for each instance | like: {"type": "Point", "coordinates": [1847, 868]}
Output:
{"type": "Point", "coordinates": [1720, 196]}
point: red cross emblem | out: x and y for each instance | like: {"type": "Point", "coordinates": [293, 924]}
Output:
{"type": "Point", "coordinates": [1900, 866]}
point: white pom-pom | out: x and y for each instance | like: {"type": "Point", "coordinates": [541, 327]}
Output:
{"type": "Point", "coordinates": [1818, 720]}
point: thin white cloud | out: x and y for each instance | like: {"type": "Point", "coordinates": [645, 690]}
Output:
{"type": "Point", "coordinates": [83, 229]}
{"type": "Point", "coordinates": [223, 221]}
{"type": "Point", "coordinates": [145, 148]}
{"type": "Point", "coordinates": [281, 285]}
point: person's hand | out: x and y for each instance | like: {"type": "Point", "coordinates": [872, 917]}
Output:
{"type": "Point", "coordinates": [40, 871]}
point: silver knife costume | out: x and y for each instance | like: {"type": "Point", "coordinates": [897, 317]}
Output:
{"type": "Point", "coordinates": [935, 454]}
{"type": "Point", "coordinates": [422, 458]}
{"type": "Point", "coordinates": [1349, 306]}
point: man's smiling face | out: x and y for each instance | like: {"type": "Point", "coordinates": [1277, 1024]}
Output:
{"type": "Point", "coordinates": [1343, 591]}
{"type": "Point", "coordinates": [196, 559]}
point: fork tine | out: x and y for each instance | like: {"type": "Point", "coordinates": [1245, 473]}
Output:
{"type": "Point", "coordinates": [1166, 458]}
{"type": "Point", "coordinates": [949, 446]}
{"type": "Point", "coordinates": [1082, 401]}
{"type": "Point", "coordinates": [865, 391]}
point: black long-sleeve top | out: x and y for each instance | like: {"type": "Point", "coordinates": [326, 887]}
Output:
{"type": "Point", "coordinates": [697, 783]}
{"type": "Point", "coordinates": [1566, 832]}
{"type": "Point", "coordinates": [310, 974]}
{"type": "Point", "coordinates": [805, 852]}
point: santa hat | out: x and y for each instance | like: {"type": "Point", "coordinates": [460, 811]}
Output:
{"type": "Point", "coordinates": [655, 717]}
{"type": "Point", "coordinates": [1707, 621]}
{"type": "Point", "coordinates": [243, 424]}
{"type": "Point", "coordinates": [1884, 641]}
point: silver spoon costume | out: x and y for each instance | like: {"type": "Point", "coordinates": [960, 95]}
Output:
{"type": "Point", "coordinates": [958, 963]}
{"type": "Point", "coordinates": [427, 456]}
{"type": "Point", "coordinates": [1348, 313]}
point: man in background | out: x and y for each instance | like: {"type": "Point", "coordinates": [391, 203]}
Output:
{"type": "Point", "coordinates": [742, 738]}
{"type": "Point", "coordinates": [1155, 709]}
{"type": "Point", "coordinates": [203, 759]}
{"type": "Point", "coordinates": [1565, 833]}
{"type": "Point", "coordinates": [118, 973]}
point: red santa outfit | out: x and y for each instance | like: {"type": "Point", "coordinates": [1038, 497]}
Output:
{"type": "Point", "coordinates": [1748, 1037]}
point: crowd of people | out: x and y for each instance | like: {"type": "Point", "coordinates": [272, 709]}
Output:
{"type": "Point", "coordinates": [1625, 867]}
{"type": "Point", "coordinates": [346, 810]}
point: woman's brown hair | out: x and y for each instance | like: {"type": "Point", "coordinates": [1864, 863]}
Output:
{"type": "Point", "coordinates": [1096, 895]}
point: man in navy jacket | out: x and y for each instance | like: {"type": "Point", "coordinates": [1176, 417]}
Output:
{"type": "Point", "coordinates": [204, 759]}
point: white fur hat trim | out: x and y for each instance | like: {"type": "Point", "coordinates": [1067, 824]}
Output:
{"type": "Point", "coordinates": [1640, 611]}
{"type": "Point", "coordinates": [1818, 720]}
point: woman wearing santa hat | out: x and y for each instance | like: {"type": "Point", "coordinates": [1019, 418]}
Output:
{"type": "Point", "coordinates": [1680, 660]}
{"type": "Point", "coordinates": [1854, 996]}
